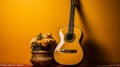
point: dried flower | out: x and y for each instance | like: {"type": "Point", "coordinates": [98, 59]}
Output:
{"type": "Point", "coordinates": [42, 40]}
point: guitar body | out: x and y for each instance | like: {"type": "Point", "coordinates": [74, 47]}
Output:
{"type": "Point", "coordinates": [69, 50]}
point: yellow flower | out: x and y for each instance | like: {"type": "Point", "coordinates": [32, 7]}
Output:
{"type": "Point", "coordinates": [39, 42]}
{"type": "Point", "coordinates": [44, 42]}
{"type": "Point", "coordinates": [33, 40]}
{"type": "Point", "coordinates": [47, 35]}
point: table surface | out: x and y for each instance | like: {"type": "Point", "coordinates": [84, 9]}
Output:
{"type": "Point", "coordinates": [30, 65]}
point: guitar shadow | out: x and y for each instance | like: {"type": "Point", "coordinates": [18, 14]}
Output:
{"type": "Point", "coordinates": [81, 13]}
{"type": "Point", "coordinates": [93, 54]}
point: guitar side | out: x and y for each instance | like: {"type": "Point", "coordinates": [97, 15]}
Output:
{"type": "Point", "coordinates": [66, 58]}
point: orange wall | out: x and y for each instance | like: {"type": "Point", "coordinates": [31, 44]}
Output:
{"type": "Point", "coordinates": [21, 20]}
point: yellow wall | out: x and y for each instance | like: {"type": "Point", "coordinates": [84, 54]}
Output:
{"type": "Point", "coordinates": [21, 20]}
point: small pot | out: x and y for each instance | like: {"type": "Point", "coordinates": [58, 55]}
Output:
{"type": "Point", "coordinates": [41, 58]}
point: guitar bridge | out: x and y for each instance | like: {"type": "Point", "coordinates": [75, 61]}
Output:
{"type": "Point", "coordinates": [69, 51]}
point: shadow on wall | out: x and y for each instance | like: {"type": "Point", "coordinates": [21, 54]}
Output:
{"type": "Point", "coordinates": [93, 54]}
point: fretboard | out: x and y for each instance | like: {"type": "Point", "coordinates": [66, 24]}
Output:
{"type": "Point", "coordinates": [71, 20]}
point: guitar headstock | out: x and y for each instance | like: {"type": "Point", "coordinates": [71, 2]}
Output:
{"type": "Point", "coordinates": [74, 2]}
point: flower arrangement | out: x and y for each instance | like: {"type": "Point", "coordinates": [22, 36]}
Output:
{"type": "Point", "coordinates": [42, 42]}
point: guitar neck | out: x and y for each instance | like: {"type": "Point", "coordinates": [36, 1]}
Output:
{"type": "Point", "coordinates": [71, 20]}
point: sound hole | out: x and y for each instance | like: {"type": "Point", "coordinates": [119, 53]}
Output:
{"type": "Point", "coordinates": [69, 37]}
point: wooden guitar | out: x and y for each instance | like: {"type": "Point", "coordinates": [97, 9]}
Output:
{"type": "Point", "coordinates": [69, 50]}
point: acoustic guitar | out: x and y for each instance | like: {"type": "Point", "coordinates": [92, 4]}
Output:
{"type": "Point", "coordinates": [69, 50]}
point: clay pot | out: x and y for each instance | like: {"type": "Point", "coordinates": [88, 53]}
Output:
{"type": "Point", "coordinates": [41, 58]}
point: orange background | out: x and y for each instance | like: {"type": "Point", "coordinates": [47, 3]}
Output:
{"type": "Point", "coordinates": [21, 20]}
